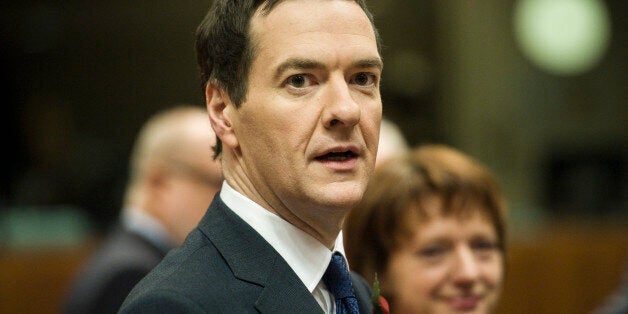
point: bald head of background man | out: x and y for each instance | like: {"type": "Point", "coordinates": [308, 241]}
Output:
{"type": "Point", "coordinates": [172, 180]}
{"type": "Point", "coordinates": [173, 177]}
{"type": "Point", "coordinates": [391, 141]}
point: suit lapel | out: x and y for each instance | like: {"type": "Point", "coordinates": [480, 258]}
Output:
{"type": "Point", "coordinates": [286, 294]}
{"type": "Point", "coordinates": [252, 259]}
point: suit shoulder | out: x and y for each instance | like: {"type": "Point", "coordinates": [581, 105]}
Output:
{"type": "Point", "coordinates": [194, 275]}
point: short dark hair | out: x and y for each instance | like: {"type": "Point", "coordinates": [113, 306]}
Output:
{"type": "Point", "coordinates": [224, 51]}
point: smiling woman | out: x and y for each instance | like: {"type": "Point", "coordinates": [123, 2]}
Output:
{"type": "Point", "coordinates": [432, 227]}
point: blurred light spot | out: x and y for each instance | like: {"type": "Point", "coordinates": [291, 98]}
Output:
{"type": "Point", "coordinates": [564, 37]}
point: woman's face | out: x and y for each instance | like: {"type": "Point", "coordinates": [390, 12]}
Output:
{"type": "Point", "coordinates": [451, 265]}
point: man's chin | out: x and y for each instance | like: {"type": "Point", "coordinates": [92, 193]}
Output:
{"type": "Point", "coordinates": [342, 196]}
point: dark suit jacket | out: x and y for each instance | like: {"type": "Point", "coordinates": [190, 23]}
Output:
{"type": "Point", "coordinates": [119, 263]}
{"type": "Point", "coordinates": [225, 266]}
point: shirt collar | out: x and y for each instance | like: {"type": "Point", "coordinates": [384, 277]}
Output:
{"type": "Point", "coordinates": [307, 256]}
{"type": "Point", "coordinates": [138, 221]}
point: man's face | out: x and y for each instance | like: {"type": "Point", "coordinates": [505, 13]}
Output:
{"type": "Point", "coordinates": [309, 127]}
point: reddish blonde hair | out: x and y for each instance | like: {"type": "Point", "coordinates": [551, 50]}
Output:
{"type": "Point", "coordinates": [375, 228]}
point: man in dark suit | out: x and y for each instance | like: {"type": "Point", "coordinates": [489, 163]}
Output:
{"type": "Point", "coordinates": [292, 92]}
{"type": "Point", "coordinates": [172, 181]}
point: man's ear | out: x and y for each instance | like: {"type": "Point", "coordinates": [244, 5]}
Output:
{"type": "Point", "coordinates": [221, 111]}
{"type": "Point", "coordinates": [156, 179]}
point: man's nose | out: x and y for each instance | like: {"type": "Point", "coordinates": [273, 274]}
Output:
{"type": "Point", "coordinates": [341, 110]}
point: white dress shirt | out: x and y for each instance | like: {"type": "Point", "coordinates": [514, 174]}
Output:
{"type": "Point", "coordinates": [307, 256]}
{"type": "Point", "coordinates": [138, 221]}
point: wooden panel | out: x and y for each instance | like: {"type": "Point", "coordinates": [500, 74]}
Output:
{"type": "Point", "coordinates": [562, 270]}
{"type": "Point", "coordinates": [35, 280]}
{"type": "Point", "coordinates": [566, 269]}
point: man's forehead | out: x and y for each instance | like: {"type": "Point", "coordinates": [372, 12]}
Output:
{"type": "Point", "coordinates": [309, 34]}
{"type": "Point", "coordinates": [288, 15]}
{"type": "Point", "coordinates": [270, 7]}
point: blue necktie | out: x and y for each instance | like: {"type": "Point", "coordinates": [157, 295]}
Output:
{"type": "Point", "coordinates": [338, 281]}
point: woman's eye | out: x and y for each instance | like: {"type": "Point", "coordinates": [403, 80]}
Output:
{"type": "Point", "coordinates": [364, 79]}
{"type": "Point", "coordinates": [485, 246]}
{"type": "Point", "coordinates": [432, 251]}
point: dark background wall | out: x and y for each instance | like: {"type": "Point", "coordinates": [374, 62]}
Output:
{"type": "Point", "coordinates": [81, 77]}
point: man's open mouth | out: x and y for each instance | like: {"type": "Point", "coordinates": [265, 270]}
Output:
{"type": "Point", "coordinates": [337, 156]}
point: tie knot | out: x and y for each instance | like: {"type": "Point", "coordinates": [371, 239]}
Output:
{"type": "Point", "coordinates": [337, 277]}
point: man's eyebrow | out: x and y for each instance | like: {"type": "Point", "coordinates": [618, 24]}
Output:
{"type": "Point", "coordinates": [369, 63]}
{"type": "Point", "coordinates": [298, 63]}
{"type": "Point", "coordinates": [301, 64]}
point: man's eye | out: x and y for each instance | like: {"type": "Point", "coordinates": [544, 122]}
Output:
{"type": "Point", "coordinates": [364, 79]}
{"type": "Point", "coordinates": [298, 80]}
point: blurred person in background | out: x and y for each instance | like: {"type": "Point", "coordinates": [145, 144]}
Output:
{"type": "Point", "coordinates": [172, 181]}
{"type": "Point", "coordinates": [432, 226]}
{"type": "Point", "coordinates": [391, 141]}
